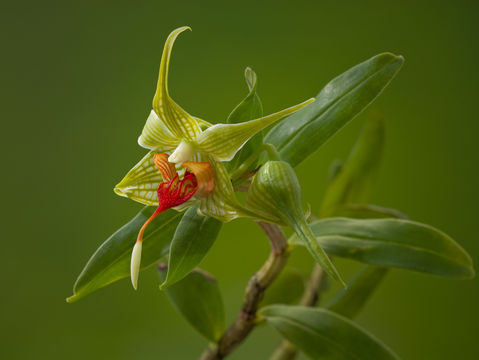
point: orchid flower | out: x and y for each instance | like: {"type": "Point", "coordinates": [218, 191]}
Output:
{"type": "Point", "coordinates": [184, 165]}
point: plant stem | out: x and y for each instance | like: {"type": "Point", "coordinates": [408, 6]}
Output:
{"type": "Point", "coordinates": [286, 350]}
{"type": "Point", "coordinates": [259, 282]}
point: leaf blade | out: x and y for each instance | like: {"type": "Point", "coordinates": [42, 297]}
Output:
{"type": "Point", "coordinates": [393, 243]}
{"type": "Point", "coordinates": [193, 238]}
{"type": "Point", "coordinates": [300, 134]}
{"type": "Point", "coordinates": [111, 261]}
{"type": "Point", "coordinates": [322, 334]}
{"type": "Point", "coordinates": [206, 312]}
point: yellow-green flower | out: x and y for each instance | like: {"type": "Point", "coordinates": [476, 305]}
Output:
{"type": "Point", "coordinates": [170, 129]}
{"type": "Point", "coordinates": [184, 164]}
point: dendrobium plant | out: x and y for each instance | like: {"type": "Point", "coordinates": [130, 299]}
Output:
{"type": "Point", "coordinates": [184, 165]}
{"type": "Point", "coordinates": [194, 164]}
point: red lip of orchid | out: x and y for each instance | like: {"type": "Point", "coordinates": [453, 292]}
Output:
{"type": "Point", "coordinates": [173, 191]}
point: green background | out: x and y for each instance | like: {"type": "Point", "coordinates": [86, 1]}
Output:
{"type": "Point", "coordinates": [78, 78]}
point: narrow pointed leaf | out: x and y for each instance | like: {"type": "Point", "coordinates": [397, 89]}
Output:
{"type": "Point", "coordinates": [224, 140]}
{"type": "Point", "coordinates": [197, 297]}
{"type": "Point", "coordinates": [349, 302]}
{"type": "Point", "coordinates": [300, 134]}
{"type": "Point", "coordinates": [286, 289]}
{"type": "Point", "coordinates": [111, 262]}
{"type": "Point", "coordinates": [354, 182]}
{"type": "Point", "coordinates": [248, 109]}
{"type": "Point", "coordinates": [193, 239]}
{"type": "Point", "coordinates": [322, 334]}
{"type": "Point", "coordinates": [393, 243]}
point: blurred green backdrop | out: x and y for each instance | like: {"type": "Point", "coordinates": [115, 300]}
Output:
{"type": "Point", "coordinates": [78, 80]}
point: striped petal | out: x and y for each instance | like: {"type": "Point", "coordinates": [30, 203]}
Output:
{"type": "Point", "coordinates": [167, 169]}
{"type": "Point", "coordinates": [141, 182]}
{"type": "Point", "coordinates": [156, 136]}
{"type": "Point", "coordinates": [223, 141]}
{"type": "Point", "coordinates": [221, 203]}
{"type": "Point", "coordinates": [177, 120]}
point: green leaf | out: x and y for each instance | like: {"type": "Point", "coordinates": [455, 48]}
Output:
{"type": "Point", "coordinates": [193, 239]}
{"type": "Point", "coordinates": [300, 134]}
{"type": "Point", "coordinates": [111, 262]}
{"type": "Point", "coordinates": [322, 334]}
{"type": "Point", "coordinates": [354, 182]}
{"type": "Point", "coordinates": [393, 243]}
{"type": "Point", "coordinates": [348, 302]}
{"type": "Point", "coordinates": [248, 109]}
{"type": "Point", "coordinates": [286, 289]}
{"type": "Point", "coordinates": [367, 211]}
{"type": "Point", "coordinates": [197, 297]}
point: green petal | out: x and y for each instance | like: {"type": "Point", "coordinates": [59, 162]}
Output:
{"type": "Point", "coordinates": [224, 140]}
{"type": "Point", "coordinates": [221, 204]}
{"type": "Point", "coordinates": [141, 182]}
{"type": "Point", "coordinates": [177, 120]}
{"type": "Point", "coordinates": [155, 135]}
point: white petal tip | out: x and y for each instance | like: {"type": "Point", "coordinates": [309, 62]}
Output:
{"type": "Point", "coordinates": [135, 264]}
{"type": "Point", "coordinates": [184, 152]}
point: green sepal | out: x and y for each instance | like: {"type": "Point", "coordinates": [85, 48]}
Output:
{"type": "Point", "coordinates": [156, 136]}
{"type": "Point", "coordinates": [393, 243]}
{"type": "Point", "coordinates": [300, 134]}
{"type": "Point", "coordinates": [198, 298]}
{"type": "Point", "coordinates": [111, 262]}
{"type": "Point", "coordinates": [275, 194]}
{"type": "Point", "coordinates": [180, 124]}
{"type": "Point", "coordinates": [322, 334]}
{"type": "Point", "coordinates": [141, 182]}
{"type": "Point", "coordinates": [223, 141]}
{"type": "Point", "coordinates": [193, 238]}
{"type": "Point", "coordinates": [222, 203]}
{"type": "Point", "coordinates": [248, 109]}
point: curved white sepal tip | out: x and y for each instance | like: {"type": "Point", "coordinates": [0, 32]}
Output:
{"type": "Point", "coordinates": [135, 264]}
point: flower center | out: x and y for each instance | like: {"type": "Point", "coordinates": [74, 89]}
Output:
{"type": "Point", "coordinates": [198, 180]}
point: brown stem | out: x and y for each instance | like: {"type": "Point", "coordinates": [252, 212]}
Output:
{"type": "Point", "coordinates": [286, 350]}
{"type": "Point", "coordinates": [246, 320]}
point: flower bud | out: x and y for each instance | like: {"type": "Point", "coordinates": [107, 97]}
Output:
{"type": "Point", "coordinates": [275, 195]}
